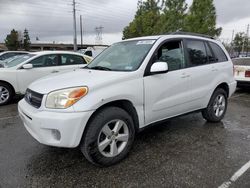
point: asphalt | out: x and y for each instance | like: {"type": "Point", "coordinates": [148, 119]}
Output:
{"type": "Point", "coordinates": [182, 152]}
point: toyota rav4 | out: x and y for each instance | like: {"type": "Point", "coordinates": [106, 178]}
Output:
{"type": "Point", "coordinates": [132, 84]}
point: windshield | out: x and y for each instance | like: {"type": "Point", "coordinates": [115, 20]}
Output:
{"type": "Point", "coordinates": [18, 60]}
{"type": "Point", "coordinates": [241, 61]}
{"type": "Point", "coordinates": [123, 56]}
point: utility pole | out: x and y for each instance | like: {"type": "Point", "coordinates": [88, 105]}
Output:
{"type": "Point", "coordinates": [81, 28]}
{"type": "Point", "coordinates": [245, 41]}
{"type": "Point", "coordinates": [74, 24]}
{"type": "Point", "coordinates": [247, 38]}
{"type": "Point", "coordinates": [232, 44]}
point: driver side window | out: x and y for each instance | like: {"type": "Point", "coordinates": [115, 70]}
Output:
{"type": "Point", "coordinates": [172, 53]}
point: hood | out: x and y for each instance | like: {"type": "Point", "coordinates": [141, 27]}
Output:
{"type": "Point", "coordinates": [81, 77]}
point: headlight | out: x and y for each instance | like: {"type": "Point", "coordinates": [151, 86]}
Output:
{"type": "Point", "coordinates": [65, 98]}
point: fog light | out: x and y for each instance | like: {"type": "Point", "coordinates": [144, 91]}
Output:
{"type": "Point", "coordinates": [56, 134]}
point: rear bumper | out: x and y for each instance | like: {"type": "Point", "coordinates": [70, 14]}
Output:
{"type": "Point", "coordinates": [54, 128]}
{"type": "Point", "coordinates": [232, 88]}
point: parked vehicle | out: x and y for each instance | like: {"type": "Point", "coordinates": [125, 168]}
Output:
{"type": "Point", "coordinates": [132, 84]}
{"type": "Point", "coordinates": [242, 71]}
{"type": "Point", "coordinates": [94, 51]}
{"type": "Point", "coordinates": [20, 72]}
{"type": "Point", "coordinates": [8, 54]}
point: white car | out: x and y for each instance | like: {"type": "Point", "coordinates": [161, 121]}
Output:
{"type": "Point", "coordinates": [132, 84]}
{"type": "Point", "coordinates": [242, 71]}
{"type": "Point", "coordinates": [20, 72]}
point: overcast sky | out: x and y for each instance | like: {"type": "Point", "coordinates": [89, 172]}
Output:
{"type": "Point", "coordinates": [52, 20]}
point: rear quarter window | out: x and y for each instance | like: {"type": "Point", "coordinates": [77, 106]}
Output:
{"type": "Point", "coordinates": [218, 52]}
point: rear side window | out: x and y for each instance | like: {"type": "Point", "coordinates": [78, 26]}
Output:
{"type": "Point", "coordinates": [68, 59]}
{"type": "Point", "coordinates": [197, 52]}
{"type": "Point", "coordinates": [218, 52]}
{"type": "Point", "coordinates": [88, 53]}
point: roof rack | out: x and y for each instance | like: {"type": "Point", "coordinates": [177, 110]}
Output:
{"type": "Point", "coordinates": [190, 33]}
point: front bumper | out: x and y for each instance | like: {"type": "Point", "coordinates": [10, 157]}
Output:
{"type": "Point", "coordinates": [61, 129]}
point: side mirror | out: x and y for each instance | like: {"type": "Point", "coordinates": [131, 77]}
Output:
{"type": "Point", "coordinates": [27, 66]}
{"type": "Point", "coordinates": [159, 68]}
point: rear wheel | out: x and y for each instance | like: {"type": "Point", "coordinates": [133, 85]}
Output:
{"type": "Point", "coordinates": [6, 94]}
{"type": "Point", "coordinates": [108, 137]}
{"type": "Point", "coordinates": [217, 106]}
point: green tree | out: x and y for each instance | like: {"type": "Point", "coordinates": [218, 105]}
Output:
{"type": "Point", "coordinates": [26, 40]}
{"type": "Point", "coordinates": [172, 18]}
{"type": "Point", "coordinates": [240, 42]}
{"type": "Point", "coordinates": [145, 20]}
{"type": "Point", "coordinates": [201, 18]}
{"type": "Point", "coordinates": [12, 41]}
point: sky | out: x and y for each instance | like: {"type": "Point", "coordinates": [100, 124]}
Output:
{"type": "Point", "coordinates": [52, 20]}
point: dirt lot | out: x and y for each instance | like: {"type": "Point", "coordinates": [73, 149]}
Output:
{"type": "Point", "coordinates": [182, 152]}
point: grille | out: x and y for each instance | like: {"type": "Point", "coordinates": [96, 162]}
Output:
{"type": "Point", "coordinates": [33, 98]}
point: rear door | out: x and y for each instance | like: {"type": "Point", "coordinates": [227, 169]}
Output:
{"type": "Point", "coordinates": [205, 66]}
{"type": "Point", "coordinates": [69, 62]}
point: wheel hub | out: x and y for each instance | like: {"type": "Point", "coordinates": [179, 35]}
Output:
{"type": "Point", "coordinates": [113, 138]}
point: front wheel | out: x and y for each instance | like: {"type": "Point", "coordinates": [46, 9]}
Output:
{"type": "Point", "coordinates": [108, 137]}
{"type": "Point", "coordinates": [217, 106]}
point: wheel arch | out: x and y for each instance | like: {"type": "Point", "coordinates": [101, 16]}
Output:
{"type": "Point", "coordinates": [224, 86]}
{"type": "Point", "coordinates": [123, 104]}
{"type": "Point", "coordinates": [13, 89]}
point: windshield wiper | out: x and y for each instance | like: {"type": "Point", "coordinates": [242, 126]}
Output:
{"type": "Point", "coordinates": [100, 68]}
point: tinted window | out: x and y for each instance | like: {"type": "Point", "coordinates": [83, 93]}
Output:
{"type": "Point", "coordinates": [89, 53]}
{"type": "Point", "coordinates": [172, 53]}
{"type": "Point", "coordinates": [197, 52]}
{"type": "Point", "coordinates": [45, 61]}
{"type": "Point", "coordinates": [210, 55]}
{"type": "Point", "coordinates": [68, 59]}
{"type": "Point", "coordinates": [219, 53]}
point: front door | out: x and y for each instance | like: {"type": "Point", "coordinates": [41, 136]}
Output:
{"type": "Point", "coordinates": [167, 94]}
{"type": "Point", "coordinates": [42, 66]}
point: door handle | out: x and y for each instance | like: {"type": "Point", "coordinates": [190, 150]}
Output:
{"type": "Point", "coordinates": [185, 76]}
{"type": "Point", "coordinates": [54, 71]}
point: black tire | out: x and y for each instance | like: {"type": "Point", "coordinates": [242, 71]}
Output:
{"type": "Point", "coordinates": [209, 113]}
{"type": "Point", "coordinates": [91, 136]}
{"type": "Point", "coordinates": [6, 87]}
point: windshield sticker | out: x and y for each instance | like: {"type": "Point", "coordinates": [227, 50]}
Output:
{"type": "Point", "coordinates": [141, 42]}
{"type": "Point", "coordinates": [128, 68]}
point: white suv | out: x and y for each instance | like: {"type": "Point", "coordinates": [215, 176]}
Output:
{"type": "Point", "coordinates": [129, 86]}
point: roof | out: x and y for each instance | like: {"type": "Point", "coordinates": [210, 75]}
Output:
{"type": "Point", "coordinates": [174, 35]}
{"type": "Point", "coordinates": [54, 52]}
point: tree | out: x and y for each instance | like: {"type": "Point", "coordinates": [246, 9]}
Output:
{"type": "Point", "coordinates": [239, 41]}
{"type": "Point", "coordinates": [26, 40]}
{"type": "Point", "coordinates": [201, 18]}
{"type": "Point", "coordinates": [12, 41]}
{"type": "Point", "coordinates": [173, 16]}
{"type": "Point", "coordinates": [145, 20]}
